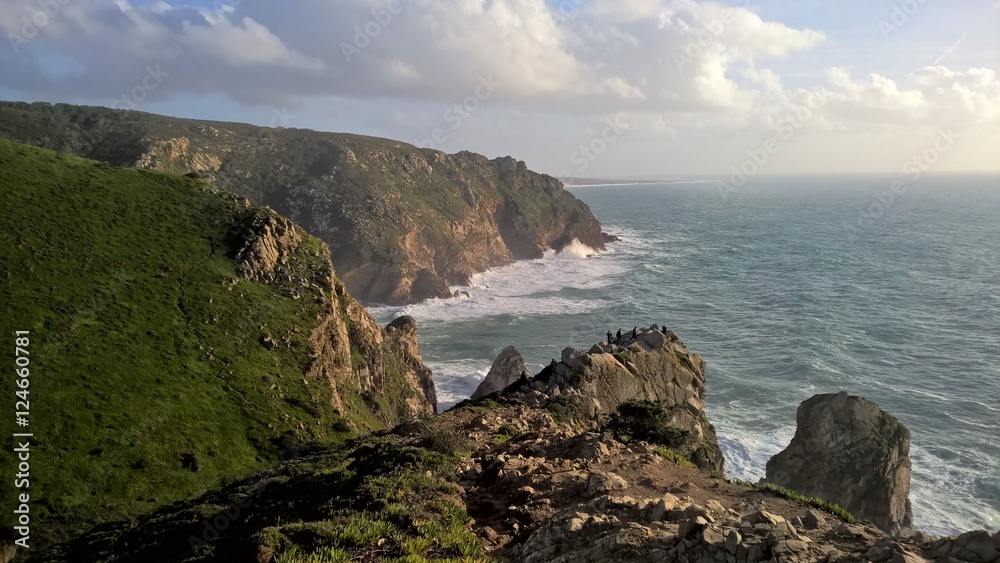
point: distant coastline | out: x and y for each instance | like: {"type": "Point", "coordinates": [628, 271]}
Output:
{"type": "Point", "coordinates": [594, 182]}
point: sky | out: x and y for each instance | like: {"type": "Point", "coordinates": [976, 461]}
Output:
{"type": "Point", "coordinates": [586, 88]}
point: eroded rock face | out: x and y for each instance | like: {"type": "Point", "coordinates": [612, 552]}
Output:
{"type": "Point", "coordinates": [849, 451]}
{"type": "Point", "coordinates": [506, 369]}
{"type": "Point", "coordinates": [403, 332]}
{"type": "Point", "coordinates": [403, 223]}
{"type": "Point", "coordinates": [266, 239]}
{"type": "Point", "coordinates": [653, 366]}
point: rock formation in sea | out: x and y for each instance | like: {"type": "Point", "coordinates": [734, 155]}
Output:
{"type": "Point", "coordinates": [506, 369]}
{"type": "Point", "coordinates": [849, 451]}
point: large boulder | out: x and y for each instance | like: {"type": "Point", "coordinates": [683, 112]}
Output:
{"type": "Point", "coordinates": [651, 368]}
{"type": "Point", "coordinates": [849, 451]}
{"type": "Point", "coordinates": [506, 369]}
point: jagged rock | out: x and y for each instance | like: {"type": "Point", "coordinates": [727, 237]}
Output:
{"type": "Point", "coordinates": [906, 557]}
{"type": "Point", "coordinates": [813, 520]}
{"type": "Point", "coordinates": [265, 238]}
{"type": "Point", "coordinates": [402, 332]}
{"type": "Point", "coordinates": [976, 545]}
{"type": "Point", "coordinates": [848, 451]}
{"type": "Point", "coordinates": [650, 369]}
{"type": "Point", "coordinates": [601, 483]}
{"type": "Point", "coordinates": [506, 370]}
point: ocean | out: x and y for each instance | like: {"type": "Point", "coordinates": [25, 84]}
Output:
{"type": "Point", "coordinates": [787, 287]}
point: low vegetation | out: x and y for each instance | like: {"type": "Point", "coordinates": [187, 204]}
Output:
{"type": "Point", "coordinates": [644, 420]}
{"type": "Point", "coordinates": [375, 498]}
{"type": "Point", "coordinates": [789, 494]}
{"type": "Point", "coordinates": [161, 371]}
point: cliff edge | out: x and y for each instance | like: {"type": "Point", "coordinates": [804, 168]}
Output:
{"type": "Point", "coordinates": [402, 223]}
{"type": "Point", "coordinates": [186, 337]}
{"type": "Point", "coordinates": [527, 474]}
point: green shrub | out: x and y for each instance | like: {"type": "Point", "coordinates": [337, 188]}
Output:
{"type": "Point", "coordinates": [563, 408]}
{"type": "Point", "coordinates": [789, 494]}
{"type": "Point", "coordinates": [674, 457]}
{"type": "Point", "coordinates": [648, 421]}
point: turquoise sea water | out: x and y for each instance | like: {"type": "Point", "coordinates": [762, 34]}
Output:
{"type": "Point", "coordinates": [787, 287]}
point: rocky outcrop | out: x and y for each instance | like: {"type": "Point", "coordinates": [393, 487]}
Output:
{"type": "Point", "coordinates": [849, 451]}
{"type": "Point", "coordinates": [654, 366]}
{"type": "Point", "coordinates": [506, 369]}
{"type": "Point", "coordinates": [362, 362]}
{"type": "Point", "coordinates": [351, 351]}
{"type": "Point", "coordinates": [266, 239]}
{"type": "Point", "coordinates": [403, 223]}
{"type": "Point", "coordinates": [533, 490]}
{"type": "Point", "coordinates": [402, 332]}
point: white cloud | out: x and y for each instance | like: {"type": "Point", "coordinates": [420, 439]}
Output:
{"type": "Point", "coordinates": [685, 76]}
{"type": "Point", "coordinates": [243, 45]}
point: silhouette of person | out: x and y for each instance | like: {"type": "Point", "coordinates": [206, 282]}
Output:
{"type": "Point", "coordinates": [618, 338]}
{"type": "Point", "coordinates": [609, 337]}
{"type": "Point", "coordinates": [633, 332]}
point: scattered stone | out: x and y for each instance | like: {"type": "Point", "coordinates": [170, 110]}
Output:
{"type": "Point", "coordinates": [602, 483]}
{"type": "Point", "coordinates": [813, 520]}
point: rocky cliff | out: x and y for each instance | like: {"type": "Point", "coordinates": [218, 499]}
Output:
{"type": "Point", "coordinates": [186, 338]}
{"type": "Point", "coordinates": [402, 223]}
{"type": "Point", "coordinates": [527, 474]}
{"type": "Point", "coordinates": [849, 451]}
{"type": "Point", "coordinates": [653, 366]}
{"type": "Point", "coordinates": [506, 370]}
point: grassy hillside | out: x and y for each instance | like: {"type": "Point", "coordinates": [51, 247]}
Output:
{"type": "Point", "coordinates": [158, 371]}
{"type": "Point", "coordinates": [392, 213]}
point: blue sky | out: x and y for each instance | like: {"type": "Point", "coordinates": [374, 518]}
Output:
{"type": "Point", "coordinates": [632, 88]}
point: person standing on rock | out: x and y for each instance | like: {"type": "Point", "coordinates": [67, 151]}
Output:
{"type": "Point", "coordinates": [609, 337]}
{"type": "Point", "coordinates": [618, 338]}
{"type": "Point", "coordinates": [633, 332]}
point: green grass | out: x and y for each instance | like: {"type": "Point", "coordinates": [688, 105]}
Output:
{"type": "Point", "coordinates": [374, 498]}
{"type": "Point", "coordinates": [504, 434]}
{"type": "Point", "coordinates": [674, 457]}
{"type": "Point", "coordinates": [381, 190]}
{"type": "Point", "coordinates": [144, 355]}
{"type": "Point", "coordinates": [789, 494]}
{"type": "Point", "coordinates": [563, 408]}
